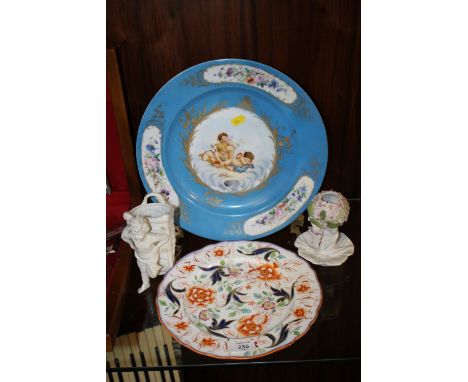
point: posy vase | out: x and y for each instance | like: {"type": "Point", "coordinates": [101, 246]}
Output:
{"type": "Point", "coordinates": [150, 232]}
{"type": "Point", "coordinates": [323, 244]}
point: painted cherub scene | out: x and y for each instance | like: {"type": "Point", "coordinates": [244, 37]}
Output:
{"type": "Point", "coordinates": [232, 150]}
{"type": "Point", "coordinates": [222, 155]}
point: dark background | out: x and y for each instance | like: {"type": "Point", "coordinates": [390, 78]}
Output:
{"type": "Point", "coordinates": [315, 42]}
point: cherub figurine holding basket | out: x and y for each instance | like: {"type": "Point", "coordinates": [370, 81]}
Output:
{"type": "Point", "coordinates": [150, 233]}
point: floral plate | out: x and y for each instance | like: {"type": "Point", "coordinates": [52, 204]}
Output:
{"type": "Point", "coordinates": [236, 142]}
{"type": "Point", "coordinates": [239, 300]}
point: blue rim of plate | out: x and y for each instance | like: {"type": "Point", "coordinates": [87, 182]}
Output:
{"type": "Point", "coordinates": [201, 100]}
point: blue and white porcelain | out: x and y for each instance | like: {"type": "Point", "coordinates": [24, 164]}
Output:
{"type": "Point", "coordinates": [238, 146]}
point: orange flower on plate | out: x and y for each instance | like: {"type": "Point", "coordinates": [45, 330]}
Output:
{"type": "Point", "coordinates": [181, 325]}
{"type": "Point", "coordinates": [188, 268]}
{"type": "Point", "coordinates": [200, 296]}
{"type": "Point", "coordinates": [208, 342]}
{"type": "Point", "coordinates": [299, 312]}
{"type": "Point", "coordinates": [303, 288]}
{"type": "Point", "coordinates": [268, 271]}
{"type": "Point", "coordinates": [251, 325]}
{"type": "Point", "coordinates": [218, 251]}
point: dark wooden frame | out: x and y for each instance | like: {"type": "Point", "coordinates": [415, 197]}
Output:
{"type": "Point", "coordinates": [119, 283]}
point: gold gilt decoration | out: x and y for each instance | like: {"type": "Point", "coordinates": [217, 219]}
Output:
{"type": "Point", "coordinates": [192, 118]}
{"type": "Point", "coordinates": [212, 198]}
{"type": "Point", "coordinates": [283, 142]}
{"type": "Point", "coordinates": [183, 212]}
{"type": "Point", "coordinates": [234, 229]}
{"type": "Point", "coordinates": [186, 159]}
{"type": "Point", "coordinates": [300, 108]}
{"type": "Point", "coordinates": [314, 170]}
{"type": "Point", "coordinates": [246, 104]}
{"type": "Point", "coordinates": [195, 80]}
{"type": "Point", "coordinates": [157, 118]}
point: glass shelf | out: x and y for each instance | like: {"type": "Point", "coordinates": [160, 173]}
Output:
{"type": "Point", "coordinates": [331, 348]}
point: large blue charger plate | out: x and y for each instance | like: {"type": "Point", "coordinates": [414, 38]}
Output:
{"type": "Point", "coordinates": [238, 146]}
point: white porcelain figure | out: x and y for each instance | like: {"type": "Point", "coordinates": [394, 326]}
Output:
{"type": "Point", "coordinates": [323, 244]}
{"type": "Point", "coordinates": [150, 232]}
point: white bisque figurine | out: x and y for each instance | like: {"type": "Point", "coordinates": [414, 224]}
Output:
{"type": "Point", "coordinates": [150, 232]}
{"type": "Point", "coordinates": [323, 244]}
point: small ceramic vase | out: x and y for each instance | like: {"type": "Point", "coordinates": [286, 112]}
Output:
{"type": "Point", "coordinates": [150, 232]}
{"type": "Point", "coordinates": [323, 244]}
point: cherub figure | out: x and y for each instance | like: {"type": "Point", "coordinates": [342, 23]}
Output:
{"type": "Point", "coordinates": [146, 244]}
{"type": "Point", "coordinates": [242, 162]}
{"type": "Point", "coordinates": [223, 151]}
